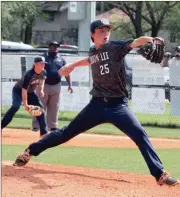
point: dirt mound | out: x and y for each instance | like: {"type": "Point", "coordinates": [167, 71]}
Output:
{"type": "Point", "coordinates": [67, 181]}
{"type": "Point", "coordinates": [45, 180]}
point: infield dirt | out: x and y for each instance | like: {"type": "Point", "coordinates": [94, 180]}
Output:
{"type": "Point", "coordinates": [45, 180]}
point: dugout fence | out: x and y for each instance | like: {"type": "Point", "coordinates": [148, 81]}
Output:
{"type": "Point", "coordinates": [154, 92]}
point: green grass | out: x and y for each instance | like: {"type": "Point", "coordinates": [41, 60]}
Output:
{"type": "Point", "coordinates": [65, 115]}
{"type": "Point", "coordinates": [155, 125]}
{"type": "Point", "coordinates": [107, 129]}
{"type": "Point", "coordinates": [164, 120]}
{"type": "Point", "coordinates": [125, 160]}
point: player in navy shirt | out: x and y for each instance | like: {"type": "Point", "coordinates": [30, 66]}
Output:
{"type": "Point", "coordinates": [24, 90]}
{"type": "Point", "coordinates": [52, 86]}
{"type": "Point", "coordinates": [109, 101]}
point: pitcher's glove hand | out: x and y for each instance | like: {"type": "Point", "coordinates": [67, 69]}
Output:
{"type": "Point", "coordinates": [35, 110]}
{"type": "Point", "coordinates": [153, 51]}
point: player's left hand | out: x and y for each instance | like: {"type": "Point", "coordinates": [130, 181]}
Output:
{"type": "Point", "coordinates": [41, 94]}
{"type": "Point", "coordinates": [153, 51]}
{"type": "Point", "coordinates": [35, 110]}
{"type": "Point", "coordinates": [70, 89]}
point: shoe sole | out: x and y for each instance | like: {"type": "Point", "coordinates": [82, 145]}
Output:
{"type": "Point", "coordinates": [177, 183]}
{"type": "Point", "coordinates": [18, 165]}
{"type": "Point", "coordinates": [35, 130]}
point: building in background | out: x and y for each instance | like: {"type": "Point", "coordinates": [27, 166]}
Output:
{"type": "Point", "coordinates": [56, 26]}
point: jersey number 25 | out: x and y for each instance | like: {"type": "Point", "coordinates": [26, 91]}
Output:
{"type": "Point", "coordinates": [104, 69]}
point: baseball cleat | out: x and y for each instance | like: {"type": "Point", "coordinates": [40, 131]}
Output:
{"type": "Point", "coordinates": [167, 179]}
{"type": "Point", "coordinates": [22, 159]}
{"type": "Point", "coordinates": [35, 129]}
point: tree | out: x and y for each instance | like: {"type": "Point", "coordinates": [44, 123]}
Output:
{"type": "Point", "coordinates": [7, 20]}
{"type": "Point", "coordinates": [157, 13]}
{"type": "Point", "coordinates": [124, 30]}
{"type": "Point", "coordinates": [27, 12]}
{"type": "Point", "coordinates": [134, 11]}
{"type": "Point", "coordinates": [102, 6]}
{"type": "Point", "coordinates": [144, 15]}
{"type": "Point", "coordinates": [18, 18]}
{"type": "Point", "coordinates": [172, 22]}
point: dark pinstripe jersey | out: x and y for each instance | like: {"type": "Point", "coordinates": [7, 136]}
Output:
{"type": "Point", "coordinates": [108, 71]}
{"type": "Point", "coordinates": [31, 80]}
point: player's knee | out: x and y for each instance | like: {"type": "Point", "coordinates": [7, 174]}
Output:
{"type": "Point", "coordinates": [64, 134]}
{"type": "Point", "coordinates": [140, 137]}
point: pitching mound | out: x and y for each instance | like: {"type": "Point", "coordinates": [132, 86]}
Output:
{"type": "Point", "coordinates": [59, 181]}
{"type": "Point", "coordinates": [44, 180]}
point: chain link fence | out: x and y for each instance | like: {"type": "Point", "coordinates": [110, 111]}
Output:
{"type": "Point", "coordinates": [154, 91]}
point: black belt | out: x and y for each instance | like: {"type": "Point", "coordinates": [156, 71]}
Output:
{"type": "Point", "coordinates": [108, 99]}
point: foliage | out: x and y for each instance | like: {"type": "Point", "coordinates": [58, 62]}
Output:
{"type": "Point", "coordinates": [124, 30]}
{"type": "Point", "coordinates": [144, 16]}
{"type": "Point", "coordinates": [102, 6]}
{"type": "Point", "coordinates": [172, 22]}
{"type": "Point", "coordinates": [17, 17]}
{"type": "Point", "coordinates": [7, 21]}
{"type": "Point", "coordinates": [156, 13]}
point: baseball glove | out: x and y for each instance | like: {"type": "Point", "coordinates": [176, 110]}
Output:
{"type": "Point", "coordinates": [153, 51]}
{"type": "Point", "coordinates": [35, 110]}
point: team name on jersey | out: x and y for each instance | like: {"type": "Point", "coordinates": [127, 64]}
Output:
{"type": "Point", "coordinates": [99, 57]}
{"type": "Point", "coordinates": [35, 81]}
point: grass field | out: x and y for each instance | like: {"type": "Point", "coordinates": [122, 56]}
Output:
{"type": "Point", "coordinates": [125, 160]}
{"type": "Point", "coordinates": [163, 120]}
{"type": "Point", "coordinates": [107, 129]}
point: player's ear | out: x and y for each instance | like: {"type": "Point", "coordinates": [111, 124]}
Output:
{"type": "Point", "coordinates": [92, 37]}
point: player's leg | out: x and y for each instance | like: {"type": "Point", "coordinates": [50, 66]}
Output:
{"type": "Point", "coordinates": [33, 99]}
{"type": "Point", "coordinates": [35, 124]}
{"type": "Point", "coordinates": [44, 100]}
{"type": "Point", "coordinates": [16, 103]}
{"type": "Point", "coordinates": [53, 106]}
{"type": "Point", "coordinates": [125, 120]}
{"type": "Point", "coordinates": [90, 116]}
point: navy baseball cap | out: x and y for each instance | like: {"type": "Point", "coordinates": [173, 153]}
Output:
{"type": "Point", "coordinates": [54, 43]}
{"type": "Point", "coordinates": [100, 23]}
{"type": "Point", "coordinates": [40, 59]}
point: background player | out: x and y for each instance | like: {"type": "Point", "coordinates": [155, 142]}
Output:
{"type": "Point", "coordinates": [24, 90]}
{"type": "Point", "coordinates": [52, 87]}
{"type": "Point", "coordinates": [109, 101]}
